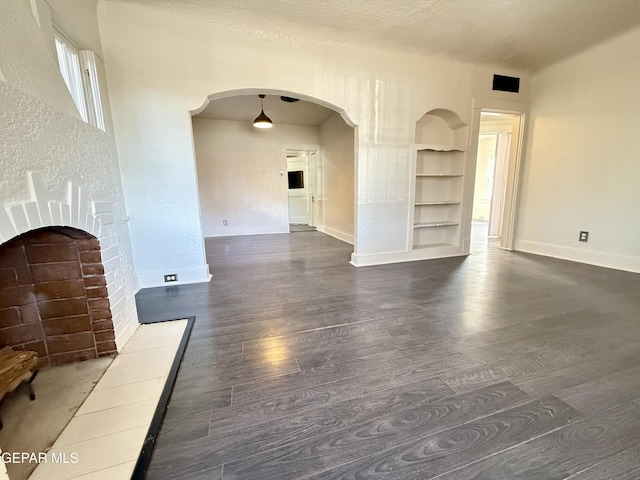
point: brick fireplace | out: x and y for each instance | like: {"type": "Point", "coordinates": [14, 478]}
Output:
{"type": "Point", "coordinates": [53, 296]}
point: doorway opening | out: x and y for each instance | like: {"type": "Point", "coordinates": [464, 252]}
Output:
{"type": "Point", "coordinates": [297, 175]}
{"type": "Point", "coordinates": [304, 177]}
{"type": "Point", "coordinates": [494, 189]}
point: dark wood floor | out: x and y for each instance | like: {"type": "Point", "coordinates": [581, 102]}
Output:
{"type": "Point", "coordinates": [500, 365]}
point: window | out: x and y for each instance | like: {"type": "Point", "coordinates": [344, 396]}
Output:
{"type": "Point", "coordinates": [78, 69]}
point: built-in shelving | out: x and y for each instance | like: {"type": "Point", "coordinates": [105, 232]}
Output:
{"type": "Point", "coordinates": [438, 174]}
{"type": "Point", "coordinates": [434, 224]}
{"type": "Point", "coordinates": [439, 169]}
{"type": "Point", "coordinates": [440, 147]}
{"type": "Point", "coordinates": [419, 204]}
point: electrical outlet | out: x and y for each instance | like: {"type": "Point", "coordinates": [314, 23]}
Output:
{"type": "Point", "coordinates": [224, 222]}
{"type": "Point", "coordinates": [171, 277]}
{"type": "Point", "coordinates": [583, 237]}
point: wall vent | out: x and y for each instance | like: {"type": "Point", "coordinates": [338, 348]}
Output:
{"type": "Point", "coordinates": [506, 84]}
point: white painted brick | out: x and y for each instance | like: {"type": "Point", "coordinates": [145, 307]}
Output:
{"type": "Point", "coordinates": [102, 207]}
{"type": "Point", "coordinates": [124, 332]}
{"type": "Point", "coordinates": [88, 221]}
{"type": "Point", "coordinates": [65, 211]}
{"type": "Point", "coordinates": [40, 195]}
{"type": "Point", "coordinates": [105, 231]}
{"type": "Point", "coordinates": [111, 264]}
{"type": "Point", "coordinates": [33, 216]}
{"type": "Point", "coordinates": [73, 203]}
{"type": "Point", "coordinates": [106, 218]}
{"type": "Point", "coordinates": [7, 230]}
{"type": "Point", "coordinates": [115, 298]}
{"type": "Point", "coordinates": [95, 228]}
{"type": "Point", "coordinates": [19, 219]}
{"type": "Point", "coordinates": [82, 209]}
{"type": "Point", "coordinates": [110, 277]}
{"type": "Point", "coordinates": [56, 215]}
{"type": "Point", "coordinates": [118, 305]}
{"type": "Point", "coordinates": [109, 252]}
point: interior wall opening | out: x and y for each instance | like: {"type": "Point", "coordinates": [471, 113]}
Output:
{"type": "Point", "coordinates": [299, 174]}
{"type": "Point", "coordinates": [304, 183]}
{"type": "Point", "coordinates": [496, 155]}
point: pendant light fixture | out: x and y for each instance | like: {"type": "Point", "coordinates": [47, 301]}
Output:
{"type": "Point", "coordinates": [262, 121]}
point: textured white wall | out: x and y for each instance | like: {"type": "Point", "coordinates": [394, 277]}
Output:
{"type": "Point", "coordinates": [163, 63]}
{"type": "Point", "coordinates": [239, 175]}
{"type": "Point", "coordinates": [581, 170]}
{"type": "Point", "coordinates": [43, 133]}
{"type": "Point", "coordinates": [337, 178]}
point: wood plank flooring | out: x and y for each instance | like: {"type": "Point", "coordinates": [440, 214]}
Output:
{"type": "Point", "coordinates": [501, 365]}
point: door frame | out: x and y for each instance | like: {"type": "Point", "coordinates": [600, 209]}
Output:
{"type": "Point", "coordinates": [299, 160]}
{"type": "Point", "coordinates": [313, 170]}
{"type": "Point", "coordinates": [496, 207]}
{"type": "Point", "coordinates": [510, 207]}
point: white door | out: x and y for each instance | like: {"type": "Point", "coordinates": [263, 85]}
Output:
{"type": "Point", "coordinates": [500, 181]}
{"type": "Point", "coordinates": [298, 179]}
{"type": "Point", "coordinates": [315, 182]}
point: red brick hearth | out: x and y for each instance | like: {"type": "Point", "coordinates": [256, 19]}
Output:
{"type": "Point", "coordinates": [53, 296]}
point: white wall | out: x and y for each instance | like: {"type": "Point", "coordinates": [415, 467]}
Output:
{"type": "Point", "coordinates": [163, 63]}
{"type": "Point", "coordinates": [45, 147]}
{"type": "Point", "coordinates": [581, 170]}
{"type": "Point", "coordinates": [337, 140]}
{"type": "Point", "coordinates": [240, 176]}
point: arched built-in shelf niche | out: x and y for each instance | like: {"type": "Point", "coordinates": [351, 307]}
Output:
{"type": "Point", "coordinates": [440, 151]}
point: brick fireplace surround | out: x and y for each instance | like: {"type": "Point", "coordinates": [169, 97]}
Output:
{"type": "Point", "coordinates": [53, 296]}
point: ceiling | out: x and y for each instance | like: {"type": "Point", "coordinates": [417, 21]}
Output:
{"type": "Point", "coordinates": [519, 34]}
{"type": "Point", "coordinates": [247, 107]}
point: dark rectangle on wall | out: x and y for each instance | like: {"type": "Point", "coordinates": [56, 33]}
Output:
{"type": "Point", "coordinates": [296, 179]}
{"type": "Point", "coordinates": [506, 84]}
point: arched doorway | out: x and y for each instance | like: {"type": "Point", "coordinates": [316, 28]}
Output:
{"type": "Point", "coordinates": [243, 173]}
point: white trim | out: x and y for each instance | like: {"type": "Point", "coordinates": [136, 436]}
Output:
{"type": "Point", "coordinates": [398, 257]}
{"type": "Point", "coordinates": [581, 255]}
{"type": "Point", "coordinates": [234, 232]}
{"type": "Point", "coordinates": [345, 237]}
{"type": "Point", "coordinates": [521, 110]}
{"type": "Point", "coordinates": [91, 88]}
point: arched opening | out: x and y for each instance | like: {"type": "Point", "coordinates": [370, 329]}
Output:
{"type": "Point", "coordinates": [244, 173]}
{"type": "Point", "coordinates": [54, 298]}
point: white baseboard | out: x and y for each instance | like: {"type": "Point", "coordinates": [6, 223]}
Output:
{"type": "Point", "coordinates": [185, 275]}
{"type": "Point", "coordinates": [345, 237]}
{"type": "Point", "coordinates": [580, 255]}
{"type": "Point", "coordinates": [414, 255]}
{"type": "Point", "coordinates": [364, 260]}
{"type": "Point", "coordinates": [233, 232]}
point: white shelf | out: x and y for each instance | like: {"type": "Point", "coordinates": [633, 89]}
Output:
{"type": "Point", "coordinates": [445, 202]}
{"type": "Point", "coordinates": [435, 224]}
{"type": "Point", "coordinates": [434, 147]}
{"type": "Point", "coordinates": [440, 158]}
{"type": "Point", "coordinates": [443, 175]}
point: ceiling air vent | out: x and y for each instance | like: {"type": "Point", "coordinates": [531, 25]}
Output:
{"type": "Point", "coordinates": [506, 84]}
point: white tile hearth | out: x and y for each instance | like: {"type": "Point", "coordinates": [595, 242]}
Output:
{"type": "Point", "coordinates": [107, 432]}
